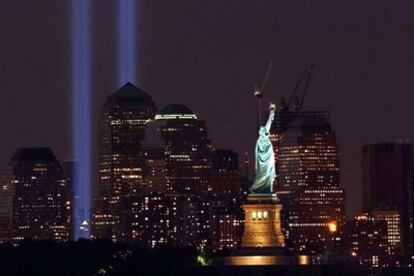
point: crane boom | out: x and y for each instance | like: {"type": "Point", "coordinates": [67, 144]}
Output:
{"type": "Point", "coordinates": [269, 69]}
{"type": "Point", "coordinates": [258, 93]}
{"type": "Point", "coordinates": [305, 88]}
{"type": "Point", "coordinates": [292, 96]}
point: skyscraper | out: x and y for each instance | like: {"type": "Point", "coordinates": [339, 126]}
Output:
{"type": "Point", "coordinates": [393, 220]}
{"type": "Point", "coordinates": [387, 184]}
{"type": "Point", "coordinates": [309, 216]}
{"type": "Point", "coordinates": [187, 152]}
{"type": "Point", "coordinates": [308, 181]}
{"type": "Point", "coordinates": [170, 204]}
{"type": "Point", "coordinates": [365, 239]}
{"type": "Point", "coordinates": [124, 117]}
{"type": "Point", "coordinates": [6, 205]}
{"type": "Point", "coordinates": [281, 123]}
{"type": "Point", "coordinates": [155, 159]}
{"type": "Point", "coordinates": [225, 160]}
{"type": "Point", "coordinates": [154, 170]}
{"type": "Point", "coordinates": [149, 217]}
{"type": "Point", "coordinates": [68, 167]}
{"type": "Point", "coordinates": [308, 155]}
{"type": "Point", "coordinates": [225, 176]}
{"type": "Point", "coordinates": [225, 223]}
{"type": "Point", "coordinates": [32, 196]}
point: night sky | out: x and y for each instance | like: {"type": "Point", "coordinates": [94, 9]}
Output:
{"type": "Point", "coordinates": [207, 55]}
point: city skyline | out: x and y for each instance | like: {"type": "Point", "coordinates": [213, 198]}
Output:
{"type": "Point", "coordinates": [211, 137]}
{"type": "Point", "coordinates": [345, 77]}
{"type": "Point", "coordinates": [348, 75]}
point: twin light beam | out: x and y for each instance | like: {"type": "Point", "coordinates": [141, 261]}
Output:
{"type": "Point", "coordinates": [81, 98]}
{"type": "Point", "coordinates": [126, 41]}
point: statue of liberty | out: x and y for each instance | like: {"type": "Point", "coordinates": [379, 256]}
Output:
{"type": "Point", "coordinates": [265, 159]}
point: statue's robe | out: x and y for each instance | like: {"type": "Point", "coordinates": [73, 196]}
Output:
{"type": "Point", "coordinates": [265, 162]}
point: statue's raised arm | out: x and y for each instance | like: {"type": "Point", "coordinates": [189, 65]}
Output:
{"type": "Point", "coordinates": [272, 109]}
{"type": "Point", "coordinates": [265, 159]}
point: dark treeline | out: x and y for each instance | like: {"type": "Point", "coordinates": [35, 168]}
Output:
{"type": "Point", "coordinates": [92, 257]}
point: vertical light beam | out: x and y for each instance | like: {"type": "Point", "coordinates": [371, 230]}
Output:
{"type": "Point", "coordinates": [126, 42]}
{"type": "Point", "coordinates": [81, 118]}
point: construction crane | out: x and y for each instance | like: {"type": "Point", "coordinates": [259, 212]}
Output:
{"type": "Point", "coordinates": [258, 93]}
{"type": "Point", "coordinates": [294, 97]}
{"type": "Point", "coordinates": [305, 88]}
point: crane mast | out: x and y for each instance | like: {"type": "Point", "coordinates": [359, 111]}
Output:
{"type": "Point", "coordinates": [258, 93]}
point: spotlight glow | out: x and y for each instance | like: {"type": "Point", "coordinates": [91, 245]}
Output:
{"type": "Point", "coordinates": [126, 41]}
{"type": "Point", "coordinates": [81, 118]}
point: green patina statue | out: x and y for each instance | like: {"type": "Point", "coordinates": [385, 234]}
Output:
{"type": "Point", "coordinates": [265, 159]}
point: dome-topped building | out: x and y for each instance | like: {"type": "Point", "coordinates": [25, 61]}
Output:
{"type": "Point", "coordinates": [187, 150]}
{"type": "Point", "coordinates": [179, 153]}
{"type": "Point", "coordinates": [175, 111]}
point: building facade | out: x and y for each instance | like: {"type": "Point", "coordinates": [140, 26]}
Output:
{"type": "Point", "coordinates": [393, 220]}
{"type": "Point", "coordinates": [226, 227]}
{"type": "Point", "coordinates": [149, 217]}
{"type": "Point", "coordinates": [225, 175]}
{"type": "Point", "coordinates": [281, 124]}
{"type": "Point", "coordinates": [68, 167]}
{"type": "Point", "coordinates": [308, 181]}
{"type": "Point", "coordinates": [154, 170]}
{"type": "Point", "coordinates": [124, 117]}
{"type": "Point", "coordinates": [366, 240]}
{"type": "Point", "coordinates": [387, 184]}
{"type": "Point", "coordinates": [32, 197]}
{"type": "Point", "coordinates": [310, 217]}
{"type": "Point", "coordinates": [187, 153]}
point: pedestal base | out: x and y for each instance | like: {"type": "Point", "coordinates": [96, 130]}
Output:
{"type": "Point", "coordinates": [265, 260]}
{"type": "Point", "coordinates": [262, 222]}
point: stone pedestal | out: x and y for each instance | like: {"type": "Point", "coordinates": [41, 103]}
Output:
{"type": "Point", "coordinates": [262, 222]}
